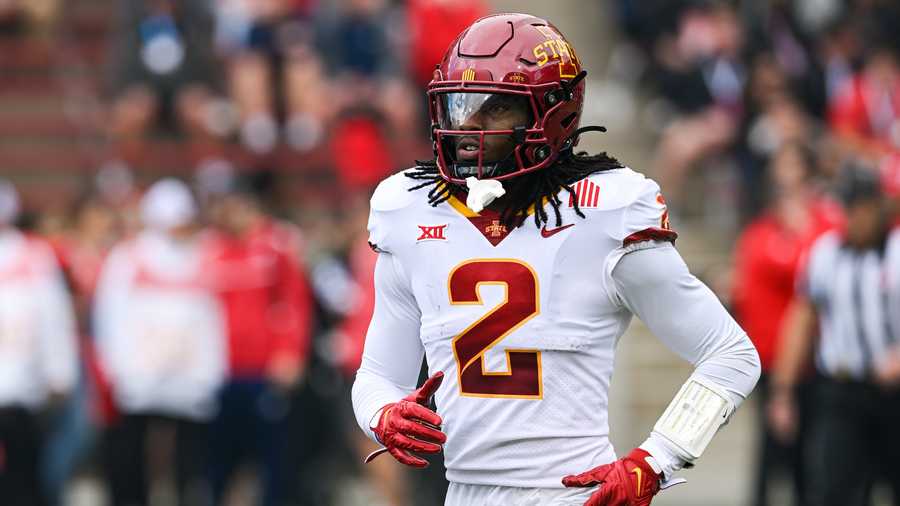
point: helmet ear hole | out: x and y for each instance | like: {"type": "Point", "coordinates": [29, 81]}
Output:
{"type": "Point", "coordinates": [554, 97]}
{"type": "Point", "coordinates": [542, 153]}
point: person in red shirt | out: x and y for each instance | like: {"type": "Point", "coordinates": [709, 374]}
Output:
{"type": "Point", "coordinates": [768, 255]}
{"type": "Point", "coordinates": [263, 288]}
{"type": "Point", "coordinates": [865, 113]}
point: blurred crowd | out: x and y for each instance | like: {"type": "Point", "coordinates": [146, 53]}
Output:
{"type": "Point", "coordinates": [180, 340]}
{"type": "Point", "coordinates": [736, 84]}
{"type": "Point", "coordinates": [178, 344]}
{"type": "Point", "coordinates": [797, 104]}
{"type": "Point", "coordinates": [192, 340]}
{"type": "Point", "coordinates": [302, 75]}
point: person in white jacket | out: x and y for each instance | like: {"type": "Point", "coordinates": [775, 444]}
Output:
{"type": "Point", "coordinates": [161, 340]}
{"type": "Point", "coordinates": [38, 357]}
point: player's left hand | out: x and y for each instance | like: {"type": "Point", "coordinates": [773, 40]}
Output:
{"type": "Point", "coordinates": [629, 481]}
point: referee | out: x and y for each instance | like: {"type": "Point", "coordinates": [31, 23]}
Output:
{"type": "Point", "coordinates": [848, 295]}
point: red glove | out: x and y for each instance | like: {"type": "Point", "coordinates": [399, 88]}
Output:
{"type": "Point", "coordinates": [629, 481]}
{"type": "Point", "coordinates": [408, 425]}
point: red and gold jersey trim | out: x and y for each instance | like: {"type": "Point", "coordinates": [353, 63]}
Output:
{"type": "Point", "coordinates": [651, 234]}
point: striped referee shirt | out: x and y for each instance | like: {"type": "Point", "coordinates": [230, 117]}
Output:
{"type": "Point", "coordinates": [856, 294]}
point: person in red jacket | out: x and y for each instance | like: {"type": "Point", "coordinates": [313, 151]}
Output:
{"type": "Point", "coordinates": [267, 302]}
{"type": "Point", "coordinates": [865, 111]}
{"type": "Point", "coordinates": [767, 257]}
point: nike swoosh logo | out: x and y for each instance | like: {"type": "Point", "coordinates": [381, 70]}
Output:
{"type": "Point", "coordinates": [545, 232]}
{"type": "Point", "coordinates": [639, 473]}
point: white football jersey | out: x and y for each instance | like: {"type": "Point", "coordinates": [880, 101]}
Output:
{"type": "Point", "coordinates": [160, 328]}
{"type": "Point", "coordinates": [523, 323]}
{"type": "Point", "coordinates": [38, 339]}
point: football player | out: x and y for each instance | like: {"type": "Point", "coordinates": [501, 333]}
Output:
{"type": "Point", "coordinates": [514, 264]}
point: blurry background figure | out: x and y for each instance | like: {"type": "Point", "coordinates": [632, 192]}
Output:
{"type": "Point", "coordinates": [161, 339]}
{"type": "Point", "coordinates": [702, 77]}
{"type": "Point", "coordinates": [164, 73]}
{"type": "Point", "coordinates": [865, 111]}
{"type": "Point", "coordinates": [17, 16]}
{"type": "Point", "coordinates": [361, 144]}
{"type": "Point", "coordinates": [389, 480]}
{"type": "Point", "coordinates": [365, 43]}
{"type": "Point", "coordinates": [38, 351]}
{"type": "Point", "coordinates": [432, 25]}
{"type": "Point", "coordinates": [273, 66]}
{"type": "Point", "coordinates": [255, 265]}
{"type": "Point", "coordinates": [773, 119]}
{"type": "Point", "coordinates": [849, 290]}
{"type": "Point", "coordinates": [93, 231]}
{"type": "Point", "coordinates": [767, 256]}
{"type": "Point", "coordinates": [890, 182]}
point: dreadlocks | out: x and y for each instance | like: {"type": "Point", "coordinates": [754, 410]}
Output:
{"type": "Point", "coordinates": [524, 192]}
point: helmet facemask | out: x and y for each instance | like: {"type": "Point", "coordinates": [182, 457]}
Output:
{"type": "Point", "coordinates": [483, 133]}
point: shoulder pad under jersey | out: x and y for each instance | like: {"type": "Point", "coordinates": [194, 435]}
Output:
{"type": "Point", "coordinates": [644, 212]}
{"type": "Point", "coordinates": [391, 195]}
{"type": "Point", "coordinates": [610, 189]}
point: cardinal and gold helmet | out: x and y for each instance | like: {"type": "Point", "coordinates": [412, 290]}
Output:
{"type": "Point", "coordinates": [506, 100]}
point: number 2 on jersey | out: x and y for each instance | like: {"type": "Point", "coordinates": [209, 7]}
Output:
{"type": "Point", "coordinates": [522, 378]}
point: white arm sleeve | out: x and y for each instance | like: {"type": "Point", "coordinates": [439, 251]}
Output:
{"type": "Point", "coordinates": [654, 283]}
{"type": "Point", "coordinates": [393, 353]}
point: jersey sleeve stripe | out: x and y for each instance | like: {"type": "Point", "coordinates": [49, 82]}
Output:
{"type": "Point", "coordinates": [650, 234]}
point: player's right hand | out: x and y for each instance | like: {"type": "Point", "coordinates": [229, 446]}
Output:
{"type": "Point", "coordinates": [409, 426]}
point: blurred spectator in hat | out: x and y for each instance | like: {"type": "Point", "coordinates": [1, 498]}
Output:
{"type": "Point", "coordinates": [767, 256]}
{"type": "Point", "coordinates": [38, 351]}
{"type": "Point", "coordinates": [261, 283]}
{"type": "Point", "coordinates": [161, 340]}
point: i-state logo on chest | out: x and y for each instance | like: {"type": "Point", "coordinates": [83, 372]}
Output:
{"type": "Point", "coordinates": [495, 229]}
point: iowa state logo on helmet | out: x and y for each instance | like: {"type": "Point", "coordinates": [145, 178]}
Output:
{"type": "Point", "coordinates": [558, 50]}
{"type": "Point", "coordinates": [506, 58]}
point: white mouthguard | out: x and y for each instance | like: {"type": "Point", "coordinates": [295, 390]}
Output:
{"type": "Point", "coordinates": [482, 192]}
